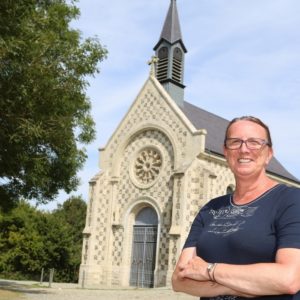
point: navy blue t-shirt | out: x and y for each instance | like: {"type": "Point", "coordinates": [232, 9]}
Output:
{"type": "Point", "coordinates": [252, 233]}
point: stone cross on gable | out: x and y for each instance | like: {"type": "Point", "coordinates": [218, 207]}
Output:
{"type": "Point", "coordinates": [152, 63]}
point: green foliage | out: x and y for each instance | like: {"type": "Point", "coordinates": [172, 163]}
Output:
{"type": "Point", "coordinates": [31, 240]}
{"type": "Point", "coordinates": [21, 245]}
{"type": "Point", "coordinates": [44, 110]}
{"type": "Point", "coordinates": [73, 214]}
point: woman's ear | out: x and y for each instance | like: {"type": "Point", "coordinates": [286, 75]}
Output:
{"type": "Point", "coordinates": [270, 155]}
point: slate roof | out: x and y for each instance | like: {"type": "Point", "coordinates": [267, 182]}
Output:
{"type": "Point", "coordinates": [215, 127]}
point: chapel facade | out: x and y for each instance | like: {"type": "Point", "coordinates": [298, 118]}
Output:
{"type": "Point", "coordinates": [161, 165]}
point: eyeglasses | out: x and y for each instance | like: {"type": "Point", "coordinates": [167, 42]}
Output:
{"type": "Point", "coordinates": [252, 143]}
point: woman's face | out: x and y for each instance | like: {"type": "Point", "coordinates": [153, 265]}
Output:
{"type": "Point", "coordinates": [244, 161]}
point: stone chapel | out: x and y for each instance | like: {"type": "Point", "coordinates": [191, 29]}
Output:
{"type": "Point", "coordinates": [163, 162]}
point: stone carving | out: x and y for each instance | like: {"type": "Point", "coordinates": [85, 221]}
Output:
{"type": "Point", "coordinates": [147, 165]}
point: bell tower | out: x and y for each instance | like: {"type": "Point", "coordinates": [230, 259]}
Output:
{"type": "Point", "coordinates": [170, 51]}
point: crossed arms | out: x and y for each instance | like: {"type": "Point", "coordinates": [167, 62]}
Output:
{"type": "Point", "coordinates": [253, 280]}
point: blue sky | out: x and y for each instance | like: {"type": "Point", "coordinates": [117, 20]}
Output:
{"type": "Point", "coordinates": [243, 59]}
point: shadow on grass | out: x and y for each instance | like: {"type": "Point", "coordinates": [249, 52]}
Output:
{"type": "Point", "coordinates": [21, 288]}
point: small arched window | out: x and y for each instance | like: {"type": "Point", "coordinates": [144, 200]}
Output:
{"type": "Point", "coordinates": [162, 67]}
{"type": "Point", "coordinates": [163, 53]}
{"type": "Point", "coordinates": [177, 65]}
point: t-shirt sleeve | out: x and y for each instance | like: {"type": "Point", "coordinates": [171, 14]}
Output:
{"type": "Point", "coordinates": [195, 230]}
{"type": "Point", "coordinates": [288, 220]}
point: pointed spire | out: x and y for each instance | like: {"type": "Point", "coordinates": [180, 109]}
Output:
{"type": "Point", "coordinates": [170, 52]}
{"type": "Point", "coordinates": [171, 31]}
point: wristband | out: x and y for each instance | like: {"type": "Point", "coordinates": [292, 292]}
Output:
{"type": "Point", "coordinates": [210, 271]}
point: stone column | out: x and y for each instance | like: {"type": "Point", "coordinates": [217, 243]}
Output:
{"type": "Point", "coordinates": [114, 221]}
{"type": "Point", "coordinates": [177, 222]}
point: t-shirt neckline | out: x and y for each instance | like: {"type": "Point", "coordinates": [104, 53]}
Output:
{"type": "Point", "coordinates": [256, 199]}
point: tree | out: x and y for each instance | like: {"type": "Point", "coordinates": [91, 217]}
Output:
{"type": "Point", "coordinates": [72, 213]}
{"type": "Point", "coordinates": [21, 244]}
{"type": "Point", "coordinates": [44, 111]}
{"type": "Point", "coordinates": [58, 247]}
{"type": "Point", "coordinates": [31, 240]}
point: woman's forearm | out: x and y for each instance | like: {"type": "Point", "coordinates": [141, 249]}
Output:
{"type": "Point", "coordinates": [198, 288]}
{"type": "Point", "coordinates": [203, 288]}
{"type": "Point", "coordinates": [260, 279]}
{"type": "Point", "coordinates": [257, 279]}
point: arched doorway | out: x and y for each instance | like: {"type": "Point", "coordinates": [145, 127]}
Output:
{"type": "Point", "coordinates": [144, 248]}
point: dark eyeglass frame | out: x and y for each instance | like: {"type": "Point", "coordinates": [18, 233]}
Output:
{"type": "Point", "coordinates": [257, 143]}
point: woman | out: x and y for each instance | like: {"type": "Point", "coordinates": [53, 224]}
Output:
{"type": "Point", "coordinates": [247, 244]}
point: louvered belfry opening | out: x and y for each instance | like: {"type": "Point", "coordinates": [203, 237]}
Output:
{"type": "Point", "coordinates": [177, 65]}
{"type": "Point", "coordinates": [162, 68]}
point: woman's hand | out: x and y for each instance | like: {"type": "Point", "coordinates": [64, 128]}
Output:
{"type": "Point", "coordinates": [195, 268]}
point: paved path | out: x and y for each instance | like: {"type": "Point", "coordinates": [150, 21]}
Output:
{"type": "Point", "coordinates": [34, 291]}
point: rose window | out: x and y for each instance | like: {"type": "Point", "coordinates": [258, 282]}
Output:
{"type": "Point", "coordinates": [147, 165]}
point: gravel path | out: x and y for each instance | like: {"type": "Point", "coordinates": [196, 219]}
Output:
{"type": "Point", "coordinates": [57, 291]}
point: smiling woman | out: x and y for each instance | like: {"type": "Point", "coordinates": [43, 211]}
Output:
{"type": "Point", "coordinates": [243, 244]}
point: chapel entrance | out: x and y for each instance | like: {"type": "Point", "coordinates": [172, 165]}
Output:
{"type": "Point", "coordinates": [144, 249]}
